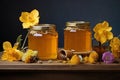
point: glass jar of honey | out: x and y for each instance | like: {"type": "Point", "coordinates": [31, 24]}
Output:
{"type": "Point", "coordinates": [44, 39]}
{"type": "Point", "coordinates": [78, 36]}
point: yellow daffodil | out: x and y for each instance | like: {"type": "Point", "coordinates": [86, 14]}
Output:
{"type": "Point", "coordinates": [115, 47]}
{"type": "Point", "coordinates": [102, 32]}
{"type": "Point", "coordinates": [29, 19]}
{"type": "Point", "coordinates": [9, 53]}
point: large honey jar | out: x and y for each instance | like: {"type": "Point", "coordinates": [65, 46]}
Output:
{"type": "Point", "coordinates": [77, 36]}
{"type": "Point", "coordinates": [44, 39]}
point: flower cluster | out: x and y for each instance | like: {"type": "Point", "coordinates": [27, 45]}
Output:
{"type": "Point", "coordinates": [102, 32]}
{"type": "Point", "coordinates": [11, 53]}
{"type": "Point", "coordinates": [115, 47]}
{"type": "Point", "coordinates": [29, 19]}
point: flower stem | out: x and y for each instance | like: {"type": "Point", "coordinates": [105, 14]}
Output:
{"type": "Point", "coordinates": [100, 52]}
{"type": "Point", "coordinates": [25, 40]}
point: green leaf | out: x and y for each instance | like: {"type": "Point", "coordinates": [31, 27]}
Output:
{"type": "Point", "coordinates": [19, 40]}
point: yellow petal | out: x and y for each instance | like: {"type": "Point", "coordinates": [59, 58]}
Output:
{"type": "Point", "coordinates": [7, 45]}
{"type": "Point", "coordinates": [105, 24]}
{"type": "Point", "coordinates": [24, 17]}
{"type": "Point", "coordinates": [111, 43]}
{"type": "Point", "coordinates": [34, 22]}
{"type": "Point", "coordinates": [86, 59]}
{"type": "Point", "coordinates": [16, 45]}
{"type": "Point", "coordinates": [115, 44]}
{"type": "Point", "coordinates": [27, 56]}
{"type": "Point", "coordinates": [94, 55]}
{"type": "Point", "coordinates": [75, 60]}
{"type": "Point", "coordinates": [96, 36]}
{"type": "Point", "coordinates": [116, 40]}
{"type": "Point", "coordinates": [91, 60]}
{"type": "Point", "coordinates": [109, 35]}
{"type": "Point", "coordinates": [26, 25]}
{"type": "Point", "coordinates": [34, 13]}
{"type": "Point", "coordinates": [103, 38]}
{"type": "Point", "coordinates": [29, 51]}
{"type": "Point", "coordinates": [19, 55]}
{"type": "Point", "coordinates": [27, 59]}
{"type": "Point", "coordinates": [97, 27]}
{"type": "Point", "coordinates": [108, 28]}
{"type": "Point", "coordinates": [100, 31]}
{"type": "Point", "coordinates": [4, 56]}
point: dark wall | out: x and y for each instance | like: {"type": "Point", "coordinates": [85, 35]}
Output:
{"type": "Point", "coordinates": [57, 12]}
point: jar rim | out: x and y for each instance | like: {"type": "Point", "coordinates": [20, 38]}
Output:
{"type": "Point", "coordinates": [40, 26]}
{"type": "Point", "coordinates": [74, 23]}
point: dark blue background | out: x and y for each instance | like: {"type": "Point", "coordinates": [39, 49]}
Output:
{"type": "Point", "coordinates": [57, 12]}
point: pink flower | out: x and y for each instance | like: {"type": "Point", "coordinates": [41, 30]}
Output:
{"type": "Point", "coordinates": [108, 57]}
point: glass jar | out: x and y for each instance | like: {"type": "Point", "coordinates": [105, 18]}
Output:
{"type": "Point", "coordinates": [44, 39]}
{"type": "Point", "coordinates": [78, 36]}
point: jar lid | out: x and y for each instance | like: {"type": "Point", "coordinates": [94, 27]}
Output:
{"type": "Point", "coordinates": [74, 23]}
{"type": "Point", "coordinates": [78, 24]}
{"type": "Point", "coordinates": [43, 26]}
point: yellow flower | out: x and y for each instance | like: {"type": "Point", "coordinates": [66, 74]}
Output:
{"type": "Point", "coordinates": [27, 57]}
{"type": "Point", "coordinates": [29, 19]}
{"type": "Point", "coordinates": [85, 59]}
{"type": "Point", "coordinates": [115, 47]}
{"type": "Point", "coordinates": [9, 53]}
{"type": "Point", "coordinates": [92, 58]}
{"type": "Point", "coordinates": [7, 45]}
{"type": "Point", "coordinates": [75, 60]}
{"type": "Point", "coordinates": [102, 32]}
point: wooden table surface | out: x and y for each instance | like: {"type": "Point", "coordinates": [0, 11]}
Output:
{"type": "Point", "coordinates": [58, 71]}
{"type": "Point", "coordinates": [19, 65]}
{"type": "Point", "coordinates": [19, 70]}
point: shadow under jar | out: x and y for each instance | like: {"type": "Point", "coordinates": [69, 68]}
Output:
{"type": "Point", "coordinates": [44, 39]}
{"type": "Point", "coordinates": [77, 36]}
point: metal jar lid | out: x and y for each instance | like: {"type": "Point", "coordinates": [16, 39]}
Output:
{"type": "Point", "coordinates": [78, 24]}
{"type": "Point", "coordinates": [44, 27]}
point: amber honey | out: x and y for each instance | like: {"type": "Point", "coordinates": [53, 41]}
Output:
{"type": "Point", "coordinates": [44, 39]}
{"type": "Point", "coordinates": [77, 36]}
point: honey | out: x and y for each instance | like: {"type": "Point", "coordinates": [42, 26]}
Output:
{"type": "Point", "coordinates": [44, 39]}
{"type": "Point", "coordinates": [77, 36]}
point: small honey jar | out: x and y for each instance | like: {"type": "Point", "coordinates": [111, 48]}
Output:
{"type": "Point", "coordinates": [44, 39]}
{"type": "Point", "coordinates": [78, 36]}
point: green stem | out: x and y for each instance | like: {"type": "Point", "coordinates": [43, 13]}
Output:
{"type": "Point", "coordinates": [25, 40]}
